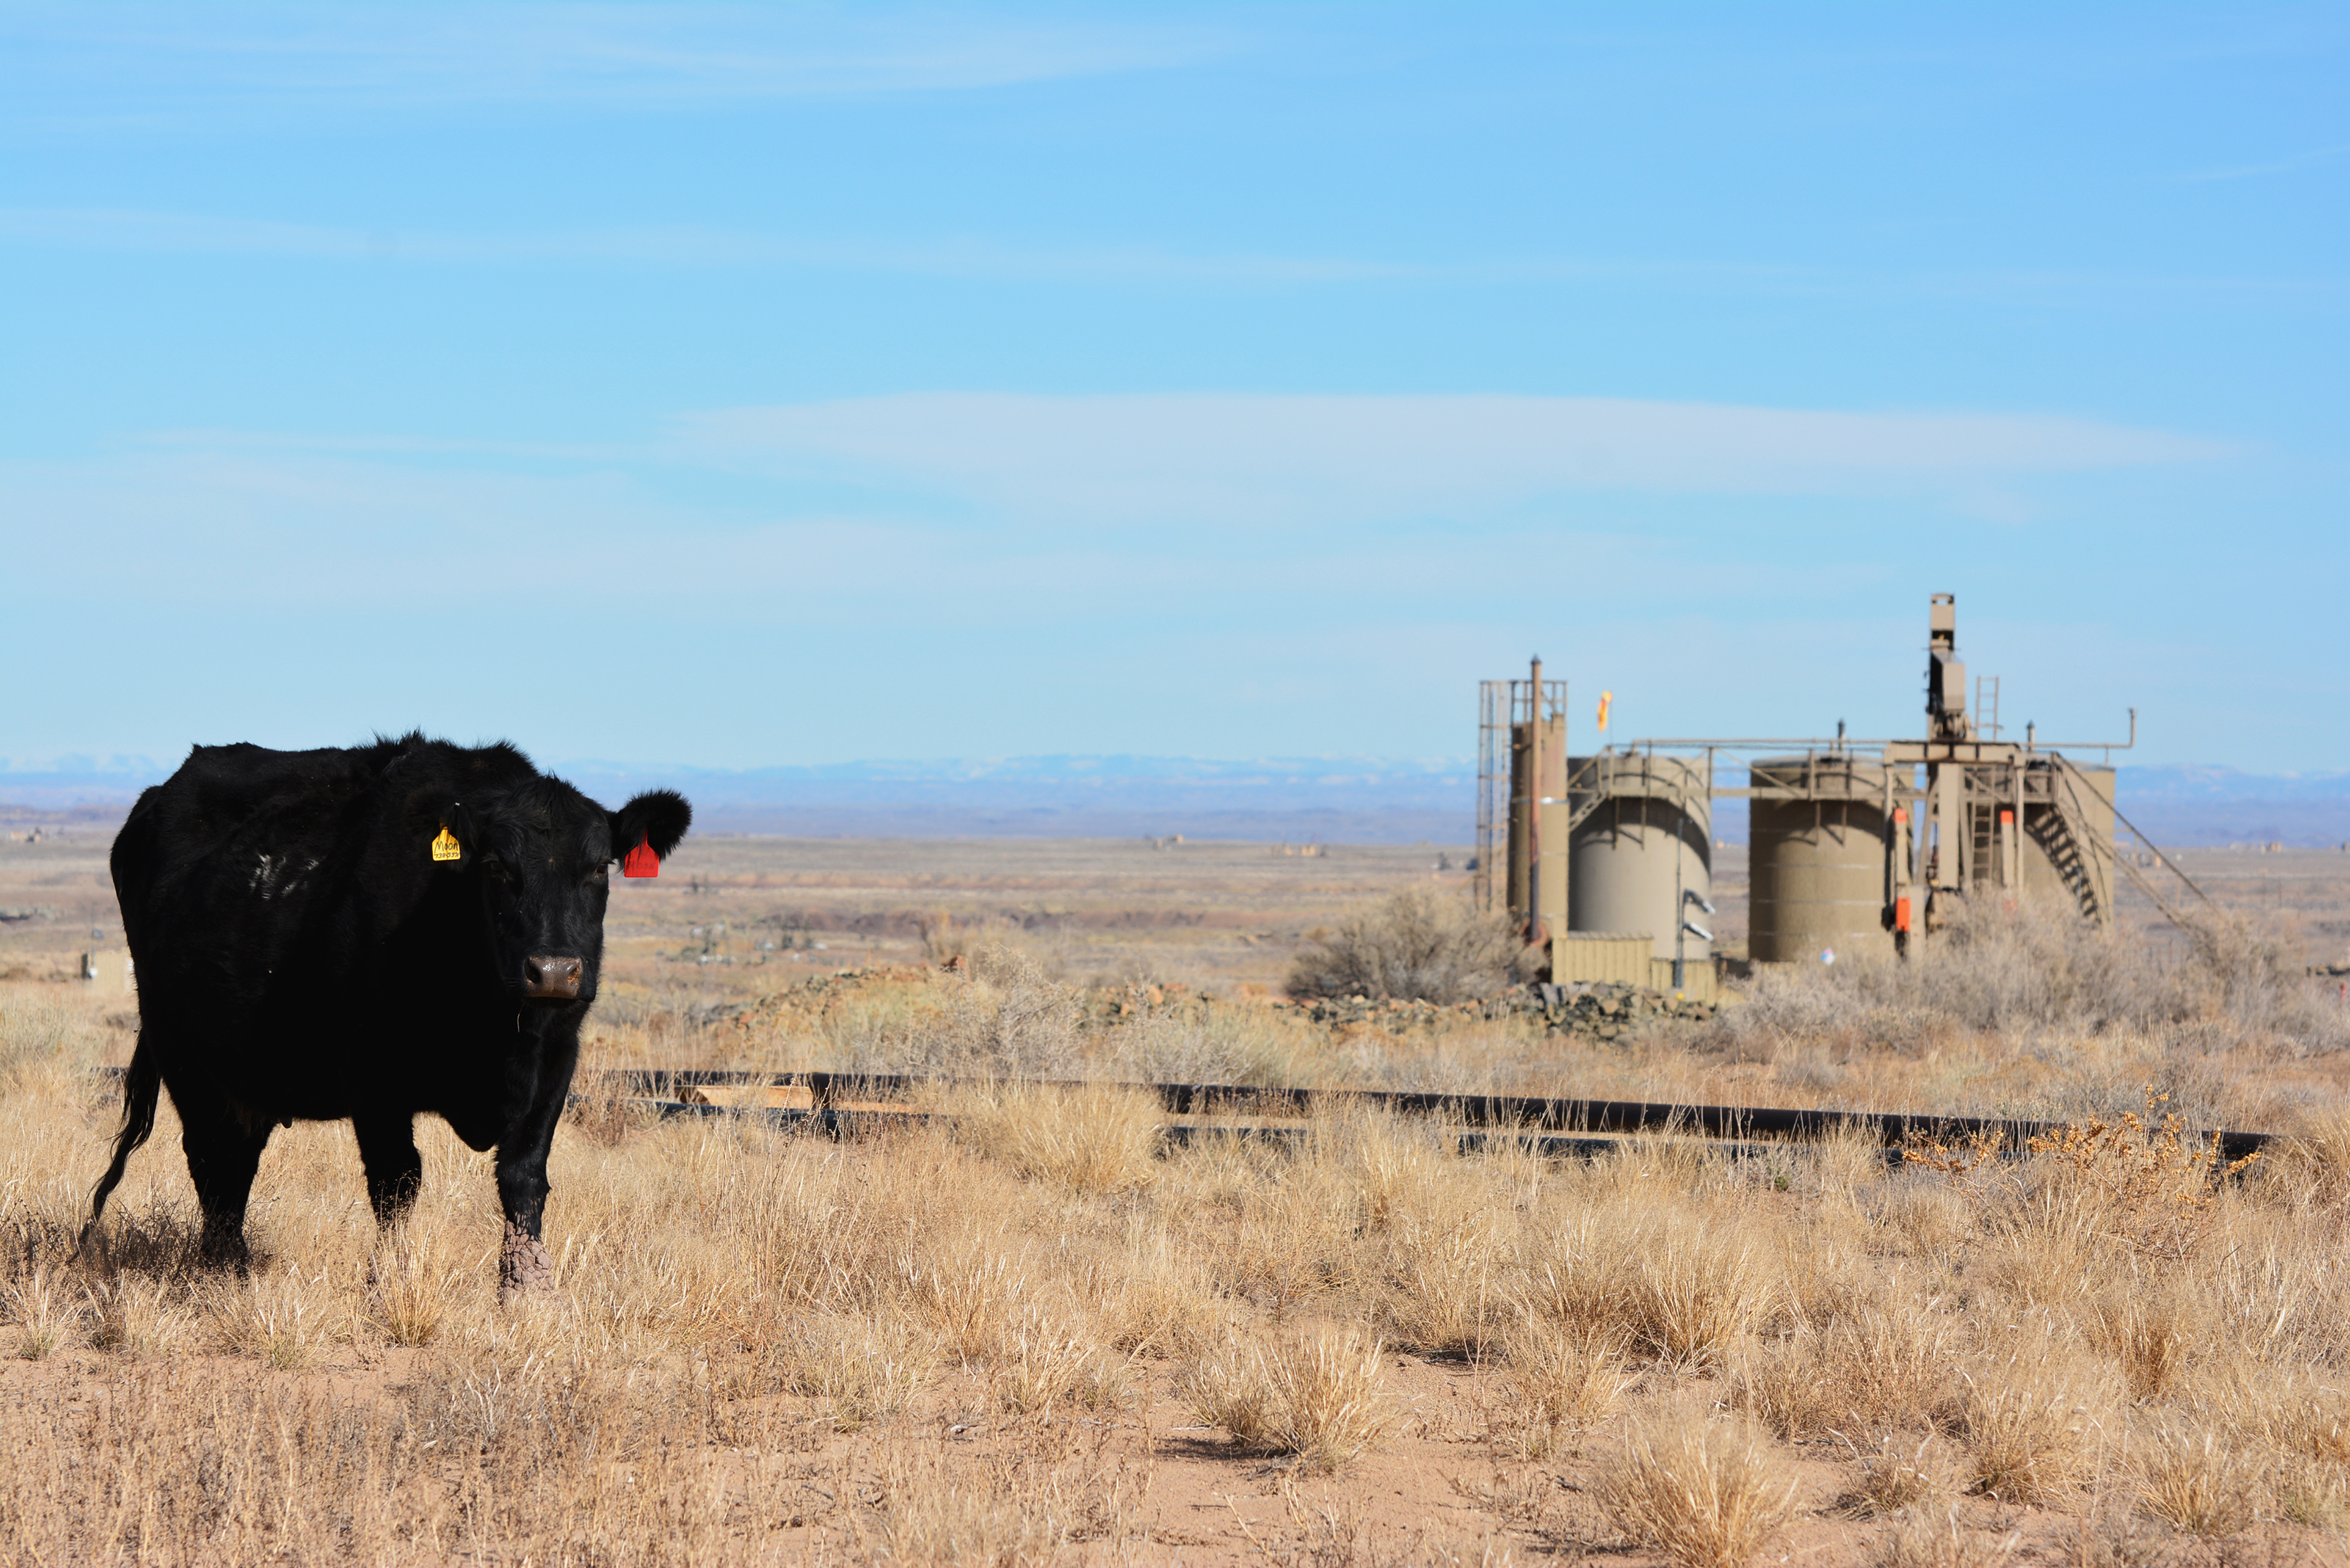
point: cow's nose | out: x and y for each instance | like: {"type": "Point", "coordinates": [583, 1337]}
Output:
{"type": "Point", "coordinates": [551, 978]}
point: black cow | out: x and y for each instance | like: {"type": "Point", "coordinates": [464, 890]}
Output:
{"type": "Point", "coordinates": [367, 934]}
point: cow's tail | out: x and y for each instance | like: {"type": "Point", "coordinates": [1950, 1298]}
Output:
{"type": "Point", "coordinates": [140, 1085]}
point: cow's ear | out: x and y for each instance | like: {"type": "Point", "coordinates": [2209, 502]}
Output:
{"type": "Point", "coordinates": [658, 817]}
{"type": "Point", "coordinates": [441, 829]}
{"type": "Point", "coordinates": [454, 845]}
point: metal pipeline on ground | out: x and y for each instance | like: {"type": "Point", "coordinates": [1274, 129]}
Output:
{"type": "Point", "coordinates": [1891, 1130]}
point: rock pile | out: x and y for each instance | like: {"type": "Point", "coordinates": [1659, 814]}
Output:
{"type": "Point", "coordinates": [1602, 1011]}
{"type": "Point", "coordinates": [1599, 1011]}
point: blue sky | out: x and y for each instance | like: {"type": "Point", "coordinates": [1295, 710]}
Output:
{"type": "Point", "coordinates": [740, 386]}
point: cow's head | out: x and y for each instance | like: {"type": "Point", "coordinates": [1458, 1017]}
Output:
{"type": "Point", "coordinates": [538, 857]}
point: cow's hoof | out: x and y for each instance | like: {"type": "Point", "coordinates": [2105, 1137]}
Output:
{"type": "Point", "coordinates": [524, 1266]}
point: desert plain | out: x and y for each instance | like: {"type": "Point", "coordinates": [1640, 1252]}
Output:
{"type": "Point", "coordinates": [1028, 1331]}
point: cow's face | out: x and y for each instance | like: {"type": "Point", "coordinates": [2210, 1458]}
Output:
{"type": "Point", "coordinates": [539, 860]}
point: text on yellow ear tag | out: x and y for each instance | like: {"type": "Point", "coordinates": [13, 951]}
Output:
{"type": "Point", "coordinates": [445, 846]}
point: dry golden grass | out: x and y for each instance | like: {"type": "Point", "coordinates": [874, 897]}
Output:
{"type": "Point", "coordinates": [1317, 1395]}
{"type": "Point", "coordinates": [1925, 1537]}
{"type": "Point", "coordinates": [1093, 1138]}
{"type": "Point", "coordinates": [1705, 1493]}
{"type": "Point", "coordinates": [1556, 1382]}
{"type": "Point", "coordinates": [945, 1344]}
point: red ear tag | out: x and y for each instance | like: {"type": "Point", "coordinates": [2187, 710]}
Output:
{"type": "Point", "coordinates": [640, 861]}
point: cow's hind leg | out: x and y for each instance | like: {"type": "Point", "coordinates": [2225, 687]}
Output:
{"type": "Point", "coordinates": [395, 1170]}
{"type": "Point", "coordinates": [222, 1155]}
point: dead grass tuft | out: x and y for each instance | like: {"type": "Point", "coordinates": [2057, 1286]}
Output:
{"type": "Point", "coordinates": [1095, 1139]}
{"type": "Point", "coordinates": [1320, 1396]}
{"type": "Point", "coordinates": [2196, 1483]}
{"type": "Point", "coordinates": [411, 1284]}
{"type": "Point", "coordinates": [1556, 1382]}
{"type": "Point", "coordinates": [280, 1319]}
{"type": "Point", "coordinates": [1705, 1493]}
{"type": "Point", "coordinates": [1904, 1473]}
{"type": "Point", "coordinates": [1925, 1538]}
{"type": "Point", "coordinates": [38, 1309]}
{"type": "Point", "coordinates": [2035, 1422]}
{"type": "Point", "coordinates": [859, 1369]}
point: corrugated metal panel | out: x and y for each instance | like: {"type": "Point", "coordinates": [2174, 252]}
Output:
{"type": "Point", "coordinates": [1615, 958]}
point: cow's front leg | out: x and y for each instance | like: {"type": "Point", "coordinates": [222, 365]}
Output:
{"type": "Point", "coordinates": [524, 1266]}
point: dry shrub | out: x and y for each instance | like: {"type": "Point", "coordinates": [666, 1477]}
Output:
{"type": "Point", "coordinates": [1860, 1361]}
{"type": "Point", "coordinates": [1421, 945]}
{"type": "Point", "coordinates": [1294, 1238]}
{"type": "Point", "coordinates": [39, 1030]}
{"type": "Point", "coordinates": [1779, 1383]}
{"type": "Point", "coordinates": [1704, 1493]}
{"type": "Point", "coordinates": [1554, 1382]}
{"type": "Point", "coordinates": [1395, 1167]}
{"type": "Point", "coordinates": [1321, 1395]}
{"type": "Point", "coordinates": [2196, 1482]}
{"type": "Point", "coordinates": [1447, 1251]}
{"type": "Point", "coordinates": [2147, 1181]}
{"type": "Point", "coordinates": [2310, 1170]}
{"type": "Point", "coordinates": [860, 1368]}
{"type": "Point", "coordinates": [1443, 1288]}
{"type": "Point", "coordinates": [2299, 1419]}
{"type": "Point", "coordinates": [1925, 1219]}
{"type": "Point", "coordinates": [1093, 1138]}
{"type": "Point", "coordinates": [1883, 1365]}
{"type": "Point", "coordinates": [1010, 1021]}
{"type": "Point", "coordinates": [2031, 967]}
{"type": "Point", "coordinates": [607, 1119]}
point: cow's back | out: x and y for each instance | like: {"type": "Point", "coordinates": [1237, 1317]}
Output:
{"type": "Point", "coordinates": [236, 878]}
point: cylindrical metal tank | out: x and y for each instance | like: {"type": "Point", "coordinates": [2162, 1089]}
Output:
{"type": "Point", "coordinates": [1818, 857]}
{"type": "Point", "coordinates": [1647, 841]}
{"type": "Point", "coordinates": [1553, 818]}
{"type": "Point", "coordinates": [2067, 845]}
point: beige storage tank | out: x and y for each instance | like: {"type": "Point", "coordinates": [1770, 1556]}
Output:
{"type": "Point", "coordinates": [2068, 852]}
{"type": "Point", "coordinates": [1648, 840]}
{"type": "Point", "coordinates": [1817, 862]}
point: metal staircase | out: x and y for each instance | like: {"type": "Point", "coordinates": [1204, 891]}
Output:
{"type": "Point", "coordinates": [2071, 784]}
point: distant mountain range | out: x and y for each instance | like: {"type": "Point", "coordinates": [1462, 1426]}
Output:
{"type": "Point", "coordinates": [1334, 799]}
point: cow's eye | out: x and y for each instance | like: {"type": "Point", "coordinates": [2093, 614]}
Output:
{"type": "Point", "coordinates": [497, 869]}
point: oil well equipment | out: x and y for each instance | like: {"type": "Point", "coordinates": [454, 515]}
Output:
{"type": "Point", "coordinates": [1605, 860]}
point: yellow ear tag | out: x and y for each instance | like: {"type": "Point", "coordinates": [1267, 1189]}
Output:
{"type": "Point", "coordinates": [445, 846]}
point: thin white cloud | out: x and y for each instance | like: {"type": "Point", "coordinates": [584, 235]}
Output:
{"type": "Point", "coordinates": [979, 257]}
{"type": "Point", "coordinates": [87, 63]}
{"type": "Point", "coordinates": [978, 507]}
{"type": "Point", "coordinates": [117, 229]}
{"type": "Point", "coordinates": [2254, 170]}
{"type": "Point", "coordinates": [1305, 460]}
